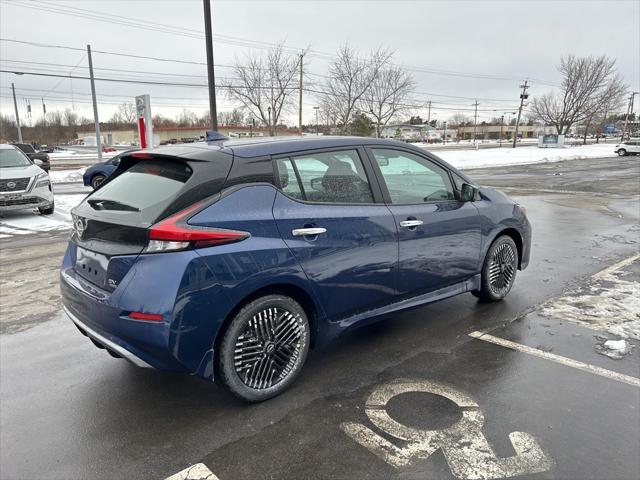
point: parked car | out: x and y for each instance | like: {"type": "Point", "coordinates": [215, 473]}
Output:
{"type": "Point", "coordinates": [98, 173]}
{"type": "Point", "coordinates": [107, 149]}
{"type": "Point", "coordinates": [630, 147]}
{"type": "Point", "coordinates": [39, 158]}
{"type": "Point", "coordinates": [22, 183]}
{"type": "Point", "coordinates": [231, 259]}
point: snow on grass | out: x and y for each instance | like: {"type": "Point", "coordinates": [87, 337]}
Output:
{"type": "Point", "coordinates": [66, 176]}
{"type": "Point", "coordinates": [25, 222]}
{"type": "Point", "coordinates": [494, 157]}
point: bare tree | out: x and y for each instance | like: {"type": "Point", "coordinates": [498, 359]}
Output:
{"type": "Point", "coordinates": [459, 120]}
{"type": "Point", "coordinates": [584, 81]}
{"type": "Point", "coordinates": [235, 117]}
{"type": "Point", "coordinates": [612, 99]}
{"type": "Point", "coordinates": [127, 112]}
{"type": "Point", "coordinates": [266, 84]}
{"type": "Point", "coordinates": [350, 77]}
{"type": "Point", "coordinates": [387, 96]}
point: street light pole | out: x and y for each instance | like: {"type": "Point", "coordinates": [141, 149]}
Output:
{"type": "Point", "coordinates": [444, 137]}
{"type": "Point", "coordinates": [501, 127]}
{"type": "Point", "coordinates": [317, 128]}
{"type": "Point", "coordinates": [15, 105]}
{"type": "Point", "coordinates": [213, 110]}
{"type": "Point", "coordinates": [270, 128]}
{"type": "Point", "coordinates": [95, 105]}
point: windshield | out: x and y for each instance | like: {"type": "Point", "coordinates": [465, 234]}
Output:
{"type": "Point", "coordinates": [11, 157]}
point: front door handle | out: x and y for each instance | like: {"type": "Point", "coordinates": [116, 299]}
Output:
{"type": "Point", "coordinates": [411, 223]}
{"type": "Point", "coordinates": [302, 232]}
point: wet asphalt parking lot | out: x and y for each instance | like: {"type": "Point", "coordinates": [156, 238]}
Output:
{"type": "Point", "coordinates": [458, 389]}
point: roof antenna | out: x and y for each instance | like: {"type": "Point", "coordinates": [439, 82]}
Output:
{"type": "Point", "coordinates": [212, 136]}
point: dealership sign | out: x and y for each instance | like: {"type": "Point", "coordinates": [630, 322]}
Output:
{"type": "Point", "coordinates": [145, 124]}
{"type": "Point", "coordinates": [550, 141]}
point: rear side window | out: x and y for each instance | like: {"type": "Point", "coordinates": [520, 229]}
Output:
{"type": "Point", "coordinates": [327, 177]}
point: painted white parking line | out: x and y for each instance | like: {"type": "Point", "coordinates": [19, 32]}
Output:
{"type": "Point", "coordinates": [468, 452]}
{"type": "Point", "coordinates": [586, 367]}
{"type": "Point", "coordinates": [199, 471]}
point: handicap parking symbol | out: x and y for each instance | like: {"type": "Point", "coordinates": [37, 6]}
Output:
{"type": "Point", "coordinates": [468, 452]}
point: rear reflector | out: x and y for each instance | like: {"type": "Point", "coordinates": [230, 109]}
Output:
{"type": "Point", "coordinates": [174, 233]}
{"type": "Point", "coordinates": [150, 317]}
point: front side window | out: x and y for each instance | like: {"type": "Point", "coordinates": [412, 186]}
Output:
{"type": "Point", "coordinates": [328, 177]}
{"type": "Point", "coordinates": [412, 179]}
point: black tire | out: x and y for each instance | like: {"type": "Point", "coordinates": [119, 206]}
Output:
{"type": "Point", "coordinates": [96, 181]}
{"type": "Point", "coordinates": [274, 331]}
{"type": "Point", "coordinates": [498, 270]}
{"type": "Point", "coordinates": [622, 152]}
{"type": "Point", "coordinates": [47, 210]}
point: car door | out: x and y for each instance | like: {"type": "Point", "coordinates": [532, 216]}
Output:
{"type": "Point", "coordinates": [330, 213]}
{"type": "Point", "coordinates": [439, 235]}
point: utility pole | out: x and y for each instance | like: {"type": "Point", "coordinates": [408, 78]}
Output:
{"type": "Point", "coordinates": [15, 105]}
{"type": "Point", "coordinates": [475, 121]}
{"type": "Point", "coordinates": [213, 111]}
{"type": "Point", "coordinates": [317, 128]}
{"type": "Point", "coordinates": [429, 112]}
{"type": "Point", "coordinates": [501, 127]}
{"type": "Point", "coordinates": [523, 96]}
{"type": "Point", "coordinates": [300, 100]}
{"type": "Point", "coordinates": [444, 136]}
{"type": "Point", "coordinates": [95, 105]}
{"type": "Point", "coordinates": [626, 117]}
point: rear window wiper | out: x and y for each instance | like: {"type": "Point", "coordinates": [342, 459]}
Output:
{"type": "Point", "coordinates": [100, 204]}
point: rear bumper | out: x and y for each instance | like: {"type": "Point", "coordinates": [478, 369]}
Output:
{"type": "Point", "coordinates": [105, 342]}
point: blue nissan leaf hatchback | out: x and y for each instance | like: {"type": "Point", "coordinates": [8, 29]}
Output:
{"type": "Point", "coordinates": [230, 259]}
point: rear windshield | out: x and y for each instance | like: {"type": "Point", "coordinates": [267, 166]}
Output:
{"type": "Point", "coordinates": [11, 157]}
{"type": "Point", "coordinates": [140, 193]}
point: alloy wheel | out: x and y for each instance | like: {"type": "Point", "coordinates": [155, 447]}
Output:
{"type": "Point", "coordinates": [269, 348]}
{"type": "Point", "coordinates": [502, 269]}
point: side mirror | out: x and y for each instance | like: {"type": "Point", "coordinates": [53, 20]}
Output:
{"type": "Point", "coordinates": [38, 162]}
{"type": "Point", "coordinates": [468, 192]}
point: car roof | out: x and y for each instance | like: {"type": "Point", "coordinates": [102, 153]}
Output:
{"type": "Point", "coordinates": [263, 146]}
{"type": "Point", "coordinates": [6, 146]}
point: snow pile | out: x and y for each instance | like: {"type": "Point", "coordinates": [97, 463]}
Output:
{"type": "Point", "coordinates": [609, 303]}
{"type": "Point", "coordinates": [66, 176]}
{"type": "Point", "coordinates": [25, 222]}
{"type": "Point", "coordinates": [494, 157]}
{"type": "Point", "coordinates": [615, 349]}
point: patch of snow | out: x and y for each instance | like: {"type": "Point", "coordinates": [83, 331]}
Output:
{"type": "Point", "coordinates": [615, 344]}
{"type": "Point", "coordinates": [66, 176]}
{"type": "Point", "coordinates": [25, 222]}
{"type": "Point", "coordinates": [609, 303]}
{"type": "Point", "coordinates": [493, 157]}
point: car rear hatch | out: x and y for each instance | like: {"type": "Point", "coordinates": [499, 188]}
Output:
{"type": "Point", "coordinates": [111, 225]}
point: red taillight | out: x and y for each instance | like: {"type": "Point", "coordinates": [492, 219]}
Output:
{"type": "Point", "coordinates": [149, 317]}
{"type": "Point", "coordinates": [174, 233]}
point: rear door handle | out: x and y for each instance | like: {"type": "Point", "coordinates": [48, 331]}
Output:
{"type": "Point", "coordinates": [410, 223]}
{"type": "Point", "coordinates": [301, 232]}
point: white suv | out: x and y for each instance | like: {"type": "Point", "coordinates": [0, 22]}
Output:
{"type": "Point", "coordinates": [630, 147]}
{"type": "Point", "coordinates": [22, 183]}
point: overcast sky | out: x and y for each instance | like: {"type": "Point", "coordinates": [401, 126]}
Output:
{"type": "Point", "coordinates": [447, 44]}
